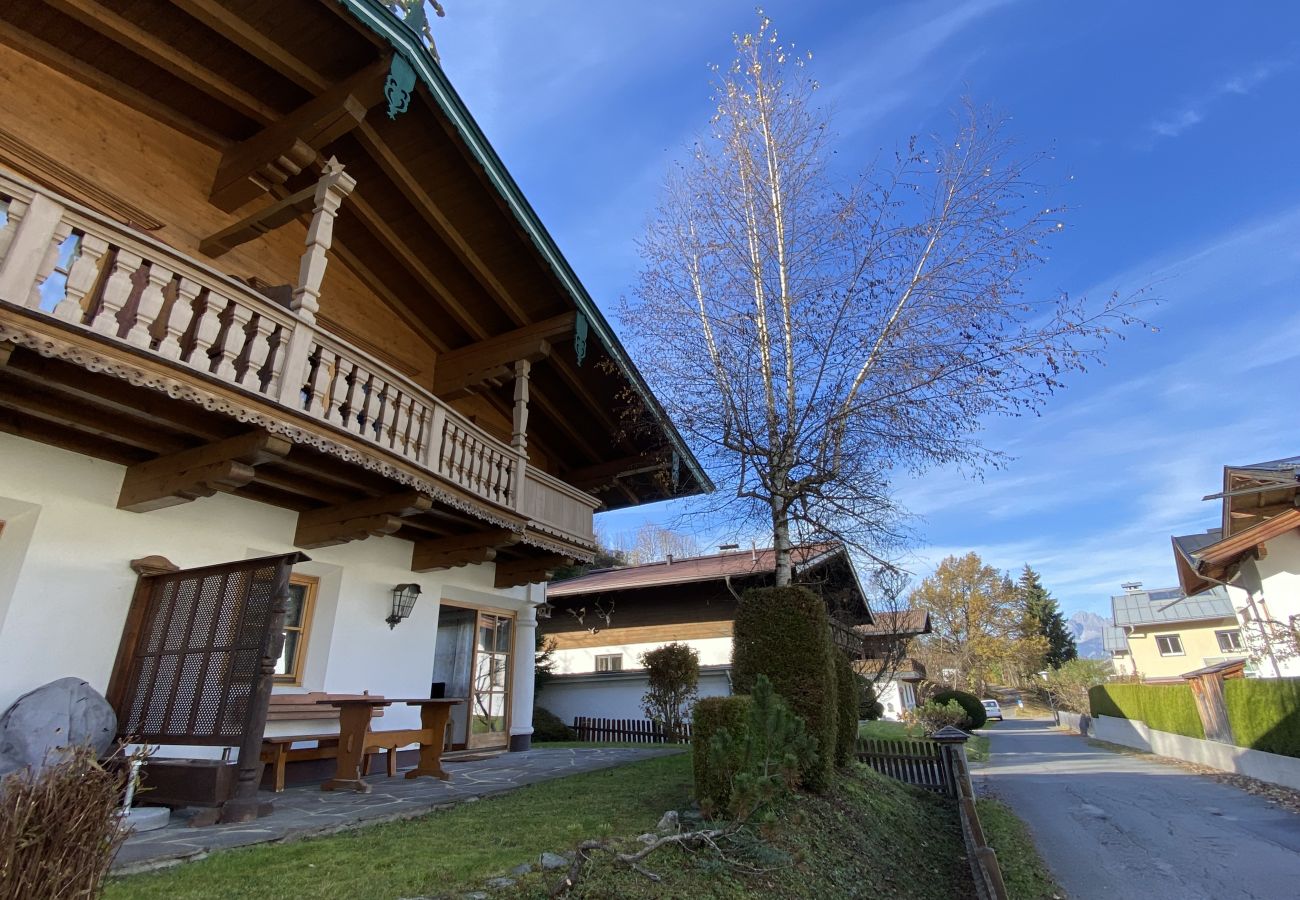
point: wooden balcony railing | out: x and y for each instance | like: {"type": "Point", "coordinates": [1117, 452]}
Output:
{"type": "Point", "coordinates": [60, 259]}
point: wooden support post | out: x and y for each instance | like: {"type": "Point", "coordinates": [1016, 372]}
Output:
{"type": "Point", "coordinates": [461, 549]}
{"type": "Point", "coordinates": [373, 516]}
{"type": "Point", "coordinates": [519, 439]}
{"type": "Point", "coordinates": [334, 185]}
{"type": "Point", "coordinates": [200, 472]}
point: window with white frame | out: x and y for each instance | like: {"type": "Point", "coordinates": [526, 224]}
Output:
{"type": "Point", "coordinates": [1230, 641]}
{"type": "Point", "coordinates": [609, 662]}
{"type": "Point", "coordinates": [1169, 644]}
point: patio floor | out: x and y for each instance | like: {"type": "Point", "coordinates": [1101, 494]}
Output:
{"type": "Point", "coordinates": [307, 810]}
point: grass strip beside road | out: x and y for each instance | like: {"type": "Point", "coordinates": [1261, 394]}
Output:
{"type": "Point", "coordinates": [1023, 870]}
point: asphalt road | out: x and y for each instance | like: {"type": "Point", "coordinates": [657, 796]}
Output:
{"type": "Point", "coordinates": [1116, 826]}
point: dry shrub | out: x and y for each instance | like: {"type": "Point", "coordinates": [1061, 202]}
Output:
{"type": "Point", "coordinates": [59, 828]}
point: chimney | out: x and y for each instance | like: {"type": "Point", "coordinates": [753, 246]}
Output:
{"type": "Point", "coordinates": [669, 560]}
{"type": "Point", "coordinates": [753, 550]}
{"type": "Point", "coordinates": [1132, 587]}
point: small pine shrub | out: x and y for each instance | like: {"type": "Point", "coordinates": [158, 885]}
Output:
{"type": "Point", "coordinates": [709, 717]}
{"type": "Point", "coordinates": [783, 633]}
{"type": "Point", "coordinates": [1265, 713]}
{"type": "Point", "coordinates": [547, 726]}
{"type": "Point", "coordinates": [975, 714]}
{"type": "Point", "coordinates": [848, 698]}
{"type": "Point", "coordinates": [759, 763]}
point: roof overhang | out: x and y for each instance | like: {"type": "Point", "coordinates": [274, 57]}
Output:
{"type": "Point", "coordinates": [1213, 564]}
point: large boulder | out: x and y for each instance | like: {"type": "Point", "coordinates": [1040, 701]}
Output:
{"type": "Point", "coordinates": [67, 712]}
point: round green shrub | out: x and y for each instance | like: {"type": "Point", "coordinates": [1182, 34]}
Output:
{"type": "Point", "coordinates": [869, 707]}
{"type": "Point", "coordinates": [783, 633]}
{"type": "Point", "coordinates": [968, 702]}
{"type": "Point", "coordinates": [708, 717]}
{"type": "Point", "coordinates": [848, 694]}
{"type": "Point", "coordinates": [547, 726]}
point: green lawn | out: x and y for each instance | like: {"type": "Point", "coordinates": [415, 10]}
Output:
{"type": "Point", "coordinates": [977, 748]}
{"type": "Point", "coordinates": [447, 851]}
{"type": "Point", "coordinates": [1023, 871]}
{"type": "Point", "coordinates": [870, 836]}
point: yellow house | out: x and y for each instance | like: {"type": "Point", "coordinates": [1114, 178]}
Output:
{"type": "Point", "coordinates": [1168, 633]}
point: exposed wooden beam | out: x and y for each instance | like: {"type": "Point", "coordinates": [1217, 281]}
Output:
{"type": "Point", "coordinates": [360, 519]}
{"type": "Point", "coordinates": [145, 44]}
{"type": "Point", "coordinates": [491, 360]}
{"type": "Point", "coordinates": [200, 472]}
{"type": "Point", "coordinates": [557, 417]}
{"type": "Point", "coordinates": [62, 61]}
{"type": "Point", "coordinates": [239, 32]}
{"type": "Point", "coordinates": [253, 226]}
{"type": "Point", "coordinates": [461, 549]}
{"type": "Point", "coordinates": [605, 474]}
{"type": "Point", "coordinates": [402, 308]}
{"type": "Point", "coordinates": [6, 351]}
{"type": "Point", "coordinates": [288, 145]}
{"type": "Point", "coordinates": [42, 402]}
{"type": "Point", "coordinates": [1266, 511]}
{"type": "Point", "coordinates": [529, 570]}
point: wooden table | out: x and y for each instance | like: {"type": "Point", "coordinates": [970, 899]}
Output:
{"type": "Point", "coordinates": [356, 737]}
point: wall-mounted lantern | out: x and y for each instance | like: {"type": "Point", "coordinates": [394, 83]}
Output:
{"type": "Point", "coordinates": [404, 597]}
{"type": "Point", "coordinates": [544, 610]}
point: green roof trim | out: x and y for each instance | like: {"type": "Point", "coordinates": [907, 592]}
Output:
{"type": "Point", "coordinates": [379, 19]}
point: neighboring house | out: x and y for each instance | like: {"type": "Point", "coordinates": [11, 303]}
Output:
{"type": "Point", "coordinates": [1168, 633]}
{"type": "Point", "coordinates": [1255, 552]}
{"type": "Point", "coordinates": [885, 661]}
{"type": "Point", "coordinates": [1114, 641]}
{"type": "Point", "coordinates": [266, 288]}
{"type": "Point", "coordinates": [602, 622]}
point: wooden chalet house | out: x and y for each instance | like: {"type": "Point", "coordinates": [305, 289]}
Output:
{"type": "Point", "coordinates": [267, 293]}
{"type": "Point", "coordinates": [603, 621]}
{"type": "Point", "coordinates": [886, 662]}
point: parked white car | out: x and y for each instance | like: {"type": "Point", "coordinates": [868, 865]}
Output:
{"type": "Point", "coordinates": [992, 710]}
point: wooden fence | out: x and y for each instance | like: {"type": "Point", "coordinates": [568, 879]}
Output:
{"type": "Point", "coordinates": [917, 762]}
{"type": "Point", "coordinates": [628, 731]}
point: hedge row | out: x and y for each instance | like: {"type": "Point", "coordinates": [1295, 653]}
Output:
{"type": "Point", "coordinates": [708, 717]}
{"type": "Point", "coordinates": [1164, 707]}
{"type": "Point", "coordinates": [1265, 713]}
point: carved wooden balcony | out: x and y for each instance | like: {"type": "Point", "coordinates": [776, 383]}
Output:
{"type": "Point", "coordinates": [76, 285]}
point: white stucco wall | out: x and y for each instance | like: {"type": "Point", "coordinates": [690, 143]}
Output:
{"type": "Point", "coordinates": [65, 584]}
{"type": "Point", "coordinates": [713, 652]}
{"type": "Point", "coordinates": [614, 695]}
{"type": "Point", "coordinates": [1277, 578]}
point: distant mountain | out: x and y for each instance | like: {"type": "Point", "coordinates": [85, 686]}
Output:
{"type": "Point", "coordinates": [1087, 628]}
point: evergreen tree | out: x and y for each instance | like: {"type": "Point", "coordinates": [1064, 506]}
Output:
{"type": "Point", "coordinates": [1043, 616]}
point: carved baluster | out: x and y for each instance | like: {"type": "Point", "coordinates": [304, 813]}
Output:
{"type": "Point", "coordinates": [433, 426]}
{"type": "Point", "coordinates": [230, 347]}
{"type": "Point", "coordinates": [385, 413]}
{"type": "Point", "coordinates": [403, 441]}
{"type": "Point", "coordinates": [207, 325]}
{"type": "Point", "coordinates": [81, 278]}
{"type": "Point", "coordinates": [49, 261]}
{"type": "Point", "coordinates": [322, 366]}
{"type": "Point", "coordinates": [176, 318]}
{"type": "Point", "coordinates": [362, 417]}
{"type": "Point", "coordinates": [149, 306]}
{"type": "Point", "coordinates": [117, 290]}
{"type": "Point", "coordinates": [259, 348]}
{"type": "Point", "coordinates": [13, 215]}
{"type": "Point", "coordinates": [456, 453]}
{"type": "Point", "coordinates": [346, 407]}
{"type": "Point", "coordinates": [276, 339]}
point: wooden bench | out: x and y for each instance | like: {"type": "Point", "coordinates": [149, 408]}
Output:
{"type": "Point", "coordinates": [278, 751]}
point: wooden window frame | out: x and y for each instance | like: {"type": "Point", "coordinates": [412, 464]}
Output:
{"type": "Point", "coordinates": [1182, 651]}
{"type": "Point", "coordinates": [617, 657]}
{"type": "Point", "coordinates": [311, 585]}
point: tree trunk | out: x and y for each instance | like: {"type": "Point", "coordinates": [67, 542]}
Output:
{"type": "Point", "coordinates": [781, 547]}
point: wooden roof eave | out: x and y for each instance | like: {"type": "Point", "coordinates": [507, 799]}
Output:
{"type": "Point", "coordinates": [375, 16]}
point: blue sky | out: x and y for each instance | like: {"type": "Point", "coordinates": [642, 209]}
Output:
{"type": "Point", "coordinates": [1175, 136]}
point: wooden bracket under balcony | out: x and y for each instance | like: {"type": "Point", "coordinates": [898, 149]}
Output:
{"type": "Point", "coordinates": [199, 472]}
{"type": "Point", "coordinates": [284, 148]}
{"type": "Point", "coordinates": [461, 550]}
{"type": "Point", "coordinates": [372, 517]}
{"type": "Point", "coordinates": [493, 359]}
{"type": "Point", "coordinates": [529, 571]}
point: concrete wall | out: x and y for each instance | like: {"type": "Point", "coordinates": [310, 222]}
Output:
{"type": "Point", "coordinates": [65, 585]}
{"type": "Point", "coordinates": [1270, 767]}
{"type": "Point", "coordinates": [1075, 722]}
{"type": "Point", "coordinates": [614, 695]}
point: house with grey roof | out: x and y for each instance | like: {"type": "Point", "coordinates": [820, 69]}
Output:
{"type": "Point", "coordinates": [1114, 640]}
{"type": "Point", "coordinates": [1164, 633]}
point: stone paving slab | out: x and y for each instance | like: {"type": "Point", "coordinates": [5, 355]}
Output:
{"type": "Point", "coordinates": [307, 810]}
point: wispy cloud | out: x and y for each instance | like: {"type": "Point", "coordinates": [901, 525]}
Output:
{"type": "Point", "coordinates": [1194, 111]}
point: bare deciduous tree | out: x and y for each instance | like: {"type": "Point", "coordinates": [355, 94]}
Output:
{"type": "Point", "coordinates": [811, 340]}
{"type": "Point", "coordinates": [652, 543]}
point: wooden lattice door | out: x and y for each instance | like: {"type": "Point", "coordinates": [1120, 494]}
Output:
{"type": "Point", "coordinates": [198, 659]}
